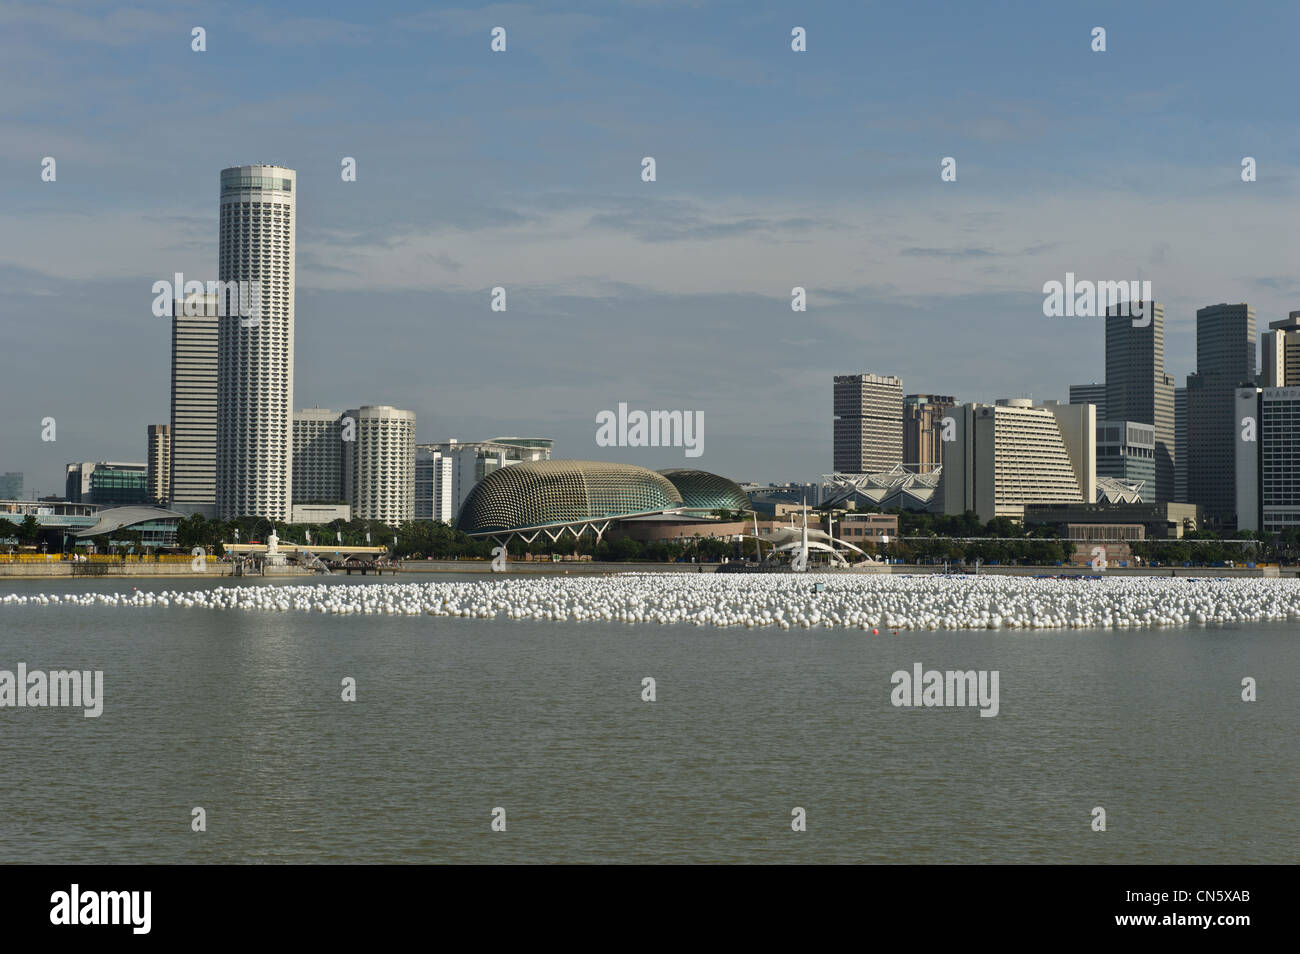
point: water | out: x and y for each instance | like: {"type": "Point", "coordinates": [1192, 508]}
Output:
{"type": "Point", "coordinates": [240, 713]}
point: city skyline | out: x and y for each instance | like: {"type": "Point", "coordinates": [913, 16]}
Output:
{"type": "Point", "coordinates": [905, 274]}
{"type": "Point", "coordinates": [653, 432]}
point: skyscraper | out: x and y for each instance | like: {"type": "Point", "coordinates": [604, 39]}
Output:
{"type": "Point", "coordinates": [868, 426]}
{"type": "Point", "coordinates": [1267, 492]}
{"type": "Point", "coordinates": [255, 354]}
{"type": "Point", "coordinates": [193, 430]}
{"type": "Point", "coordinates": [379, 465]}
{"type": "Point", "coordinates": [1281, 353]}
{"type": "Point", "coordinates": [1137, 387]}
{"type": "Point", "coordinates": [1093, 393]}
{"type": "Point", "coordinates": [1225, 361]}
{"type": "Point", "coordinates": [318, 455]}
{"type": "Point", "coordinates": [1126, 450]}
{"type": "Point", "coordinates": [1180, 444]}
{"type": "Point", "coordinates": [158, 462]}
{"type": "Point", "coordinates": [923, 416]}
{"type": "Point", "coordinates": [434, 484]}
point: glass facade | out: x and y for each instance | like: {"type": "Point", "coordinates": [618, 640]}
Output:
{"type": "Point", "coordinates": [231, 179]}
{"type": "Point", "coordinates": [1126, 450]}
{"type": "Point", "coordinates": [113, 487]}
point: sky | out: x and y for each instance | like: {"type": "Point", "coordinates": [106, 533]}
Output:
{"type": "Point", "coordinates": [522, 169]}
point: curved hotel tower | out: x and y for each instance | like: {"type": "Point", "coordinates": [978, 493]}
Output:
{"type": "Point", "coordinates": [379, 464]}
{"type": "Point", "coordinates": [254, 453]}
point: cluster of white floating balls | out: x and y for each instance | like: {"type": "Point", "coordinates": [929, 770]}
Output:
{"type": "Point", "coordinates": [783, 601]}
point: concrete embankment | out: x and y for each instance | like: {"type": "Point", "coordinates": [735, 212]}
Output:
{"type": "Point", "coordinates": [217, 570]}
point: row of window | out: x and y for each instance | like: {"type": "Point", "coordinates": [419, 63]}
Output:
{"type": "Point", "coordinates": [235, 181]}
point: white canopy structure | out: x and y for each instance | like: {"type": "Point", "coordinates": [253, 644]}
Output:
{"type": "Point", "coordinates": [888, 489]}
{"type": "Point", "coordinates": [789, 540]}
{"type": "Point", "coordinates": [1114, 490]}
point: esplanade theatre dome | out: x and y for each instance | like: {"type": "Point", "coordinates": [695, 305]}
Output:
{"type": "Point", "coordinates": [550, 493]}
{"type": "Point", "coordinates": [706, 492]}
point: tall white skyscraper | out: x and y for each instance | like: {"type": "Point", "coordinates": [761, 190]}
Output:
{"type": "Point", "coordinates": [255, 354]}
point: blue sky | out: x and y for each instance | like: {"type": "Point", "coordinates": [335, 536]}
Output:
{"type": "Point", "coordinates": [522, 169]}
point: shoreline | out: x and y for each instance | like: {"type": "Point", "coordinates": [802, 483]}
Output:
{"type": "Point", "coordinates": [72, 571]}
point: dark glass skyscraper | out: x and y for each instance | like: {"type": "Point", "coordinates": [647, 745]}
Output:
{"type": "Point", "coordinates": [1225, 360]}
{"type": "Point", "coordinates": [1137, 387]}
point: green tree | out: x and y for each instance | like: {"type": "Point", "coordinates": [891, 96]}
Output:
{"type": "Point", "coordinates": [29, 531]}
{"type": "Point", "coordinates": [1003, 527]}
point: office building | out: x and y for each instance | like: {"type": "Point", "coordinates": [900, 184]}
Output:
{"type": "Point", "coordinates": [1281, 353]}
{"type": "Point", "coordinates": [1137, 387]}
{"type": "Point", "coordinates": [1180, 443]}
{"type": "Point", "coordinates": [379, 465]}
{"type": "Point", "coordinates": [11, 485]}
{"type": "Point", "coordinates": [255, 354]}
{"type": "Point", "coordinates": [107, 483]}
{"type": "Point", "coordinates": [1126, 451]}
{"type": "Point", "coordinates": [868, 426]}
{"type": "Point", "coordinates": [158, 463]}
{"type": "Point", "coordinates": [435, 485]}
{"type": "Point", "coordinates": [192, 481]}
{"type": "Point", "coordinates": [318, 456]}
{"type": "Point", "coordinates": [1093, 393]}
{"type": "Point", "coordinates": [1225, 361]}
{"type": "Point", "coordinates": [1267, 469]}
{"type": "Point", "coordinates": [1014, 453]}
{"type": "Point", "coordinates": [923, 416]}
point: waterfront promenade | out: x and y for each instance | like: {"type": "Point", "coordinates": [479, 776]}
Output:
{"type": "Point", "coordinates": [183, 566]}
